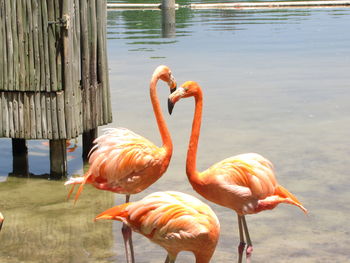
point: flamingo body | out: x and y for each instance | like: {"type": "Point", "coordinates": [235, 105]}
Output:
{"type": "Point", "coordinates": [176, 221]}
{"type": "Point", "coordinates": [245, 183]}
{"type": "Point", "coordinates": [124, 162]}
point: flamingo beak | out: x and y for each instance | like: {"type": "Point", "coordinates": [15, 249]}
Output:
{"type": "Point", "coordinates": [170, 106]}
{"type": "Point", "coordinates": [172, 84]}
{"type": "Point", "coordinates": [1, 220]}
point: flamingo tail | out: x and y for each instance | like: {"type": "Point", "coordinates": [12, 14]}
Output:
{"type": "Point", "coordinates": [77, 180]}
{"type": "Point", "coordinates": [118, 212]}
{"type": "Point", "coordinates": [81, 187]}
{"type": "Point", "coordinates": [291, 199]}
{"type": "Point", "coordinates": [281, 195]}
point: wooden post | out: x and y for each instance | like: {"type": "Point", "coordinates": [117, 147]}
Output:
{"type": "Point", "coordinates": [20, 157]}
{"type": "Point", "coordinates": [58, 158]}
{"type": "Point", "coordinates": [168, 22]}
{"type": "Point", "coordinates": [88, 142]}
{"type": "Point", "coordinates": [168, 4]}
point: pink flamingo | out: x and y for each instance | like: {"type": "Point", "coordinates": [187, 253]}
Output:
{"type": "Point", "coordinates": [176, 221]}
{"type": "Point", "coordinates": [245, 183]}
{"type": "Point", "coordinates": [126, 163]}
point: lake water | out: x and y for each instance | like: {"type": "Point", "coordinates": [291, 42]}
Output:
{"type": "Point", "coordinates": [275, 82]}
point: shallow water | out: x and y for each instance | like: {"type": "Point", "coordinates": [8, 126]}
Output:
{"type": "Point", "coordinates": [275, 82]}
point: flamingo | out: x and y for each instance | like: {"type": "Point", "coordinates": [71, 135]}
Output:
{"type": "Point", "coordinates": [245, 183]}
{"type": "Point", "coordinates": [126, 163]}
{"type": "Point", "coordinates": [176, 221]}
{"type": "Point", "coordinates": [1, 220]}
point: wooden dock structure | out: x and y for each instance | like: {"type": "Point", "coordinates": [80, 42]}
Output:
{"type": "Point", "coordinates": [53, 73]}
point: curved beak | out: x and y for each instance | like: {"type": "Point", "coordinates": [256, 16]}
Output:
{"type": "Point", "coordinates": [170, 106]}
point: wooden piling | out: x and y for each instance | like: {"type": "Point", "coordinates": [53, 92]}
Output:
{"type": "Point", "coordinates": [58, 158]}
{"type": "Point", "coordinates": [20, 157]}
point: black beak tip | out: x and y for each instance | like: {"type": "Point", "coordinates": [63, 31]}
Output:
{"type": "Point", "coordinates": [172, 90]}
{"type": "Point", "coordinates": [170, 106]}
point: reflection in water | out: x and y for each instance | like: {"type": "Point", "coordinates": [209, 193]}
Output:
{"type": "Point", "coordinates": [275, 82]}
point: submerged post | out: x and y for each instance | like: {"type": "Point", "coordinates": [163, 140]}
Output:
{"type": "Point", "coordinates": [168, 22]}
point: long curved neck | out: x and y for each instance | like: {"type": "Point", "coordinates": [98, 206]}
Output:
{"type": "Point", "coordinates": [163, 129]}
{"type": "Point", "coordinates": [191, 166]}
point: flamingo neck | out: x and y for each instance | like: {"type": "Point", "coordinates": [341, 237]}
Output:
{"type": "Point", "coordinates": [163, 129]}
{"type": "Point", "coordinates": [191, 166]}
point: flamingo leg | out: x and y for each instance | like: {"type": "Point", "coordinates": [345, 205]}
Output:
{"type": "Point", "coordinates": [241, 245]}
{"type": "Point", "coordinates": [249, 249]}
{"type": "Point", "coordinates": [169, 259]}
{"type": "Point", "coordinates": [127, 236]}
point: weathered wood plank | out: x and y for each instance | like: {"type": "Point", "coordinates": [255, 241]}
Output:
{"type": "Point", "coordinates": [38, 116]}
{"type": "Point", "coordinates": [15, 45]}
{"type": "Point", "coordinates": [36, 52]}
{"type": "Point", "coordinates": [2, 36]}
{"type": "Point", "coordinates": [54, 120]}
{"type": "Point", "coordinates": [15, 114]}
{"type": "Point", "coordinates": [85, 58]}
{"type": "Point", "coordinates": [31, 72]}
{"type": "Point", "coordinates": [58, 40]}
{"type": "Point", "coordinates": [107, 107]}
{"type": "Point", "coordinates": [67, 9]}
{"type": "Point", "coordinates": [52, 45]}
{"type": "Point", "coordinates": [21, 50]}
{"type": "Point", "coordinates": [61, 115]}
{"type": "Point", "coordinates": [45, 43]}
{"type": "Point", "coordinates": [10, 114]}
{"type": "Point", "coordinates": [26, 115]}
{"type": "Point", "coordinates": [33, 124]}
{"type": "Point", "coordinates": [9, 47]}
{"type": "Point", "coordinates": [93, 42]}
{"type": "Point", "coordinates": [5, 115]}
{"type": "Point", "coordinates": [48, 115]}
{"type": "Point", "coordinates": [26, 45]}
{"type": "Point", "coordinates": [43, 115]}
{"type": "Point", "coordinates": [21, 114]}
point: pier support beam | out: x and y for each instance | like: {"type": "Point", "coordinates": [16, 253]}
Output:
{"type": "Point", "coordinates": [58, 158]}
{"type": "Point", "coordinates": [20, 157]}
{"type": "Point", "coordinates": [88, 142]}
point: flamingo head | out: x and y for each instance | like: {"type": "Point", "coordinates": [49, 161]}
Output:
{"type": "Point", "coordinates": [188, 89]}
{"type": "Point", "coordinates": [164, 73]}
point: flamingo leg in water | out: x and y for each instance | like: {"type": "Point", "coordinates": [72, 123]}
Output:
{"type": "Point", "coordinates": [249, 249]}
{"type": "Point", "coordinates": [241, 245]}
{"type": "Point", "coordinates": [127, 236]}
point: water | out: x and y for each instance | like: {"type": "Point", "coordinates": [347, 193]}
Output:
{"type": "Point", "coordinates": [275, 82]}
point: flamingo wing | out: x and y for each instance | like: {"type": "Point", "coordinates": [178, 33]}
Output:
{"type": "Point", "coordinates": [121, 155]}
{"type": "Point", "coordinates": [170, 219]}
{"type": "Point", "coordinates": [123, 162]}
{"type": "Point", "coordinates": [250, 171]}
